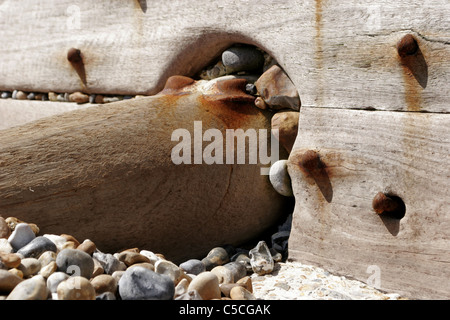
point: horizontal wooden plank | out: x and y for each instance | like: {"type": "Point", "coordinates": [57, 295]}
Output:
{"type": "Point", "coordinates": [339, 54]}
{"type": "Point", "coordinates": [366, 152]}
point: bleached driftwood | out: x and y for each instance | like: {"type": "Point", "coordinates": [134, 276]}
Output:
{"type": "Point", "coordinates": [341, 55]}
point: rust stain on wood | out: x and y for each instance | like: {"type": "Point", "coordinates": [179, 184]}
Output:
{"type": "Point", "coordinates": [415, 71]}
{"type": "Point", "coordinates": [318, 55]}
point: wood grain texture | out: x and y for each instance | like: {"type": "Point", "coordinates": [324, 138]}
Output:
{"type": "Point", "coordinates": [366, 152]}
{"type": "Point", "coordinates": [18, 112]}
{"type": "Point", "coordinates": [340, 54]}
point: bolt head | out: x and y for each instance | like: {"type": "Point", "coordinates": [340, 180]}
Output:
{"type": "Point", "coordinates": [310, 160]}
{"type": "Point", "coordinates": [74, 55]}
{"type": "Point", "coordinates": [407, 46]}
{"type": "Point", "coordinates": [383, 203]}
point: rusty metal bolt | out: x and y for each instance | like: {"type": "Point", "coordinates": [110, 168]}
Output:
{"type": "Point", "coordinates": [383, 203]}
{"type": "Point", "coordinates": [310, 160]}
{"type": "Point", "coordinates": [407, 46]}
{"type": "Point", "coordinates": [74, 56]}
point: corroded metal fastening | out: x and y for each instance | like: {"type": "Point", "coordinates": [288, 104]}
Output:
{"type": "Point", "coordinates": [74, 56]}
{"type": "Point", "coordinates": [310, 161]}
{"type": "Point", "coordinates": [383, 203]}
{"type": "Point", "coordinates": [407, 46]}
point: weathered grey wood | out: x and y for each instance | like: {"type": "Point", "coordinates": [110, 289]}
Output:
{"type": "Point", "coordinates": [366, 152]}
{"type": "Point", "coordinates": [338, 53]}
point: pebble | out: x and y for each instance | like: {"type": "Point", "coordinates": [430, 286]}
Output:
{"type": "Point", "coordinates": [225, 275]}
{"type": "Point", "coordinates": [61, 97]}
{"type": "Point", "coordinates": [106, 296]}
{"type": "Point", "coordinates": [216, 257]}
{"type": "Point", "coordinates": [213, 72]}
{"type": "Point", "coordinates": [39, 96]}
{"type": "Point", "coordinates": [104, 283]}
{"type": "Point", "coordinates": [20, 95]}
{"type": "Point", "coordinates": [29, 266]}
{"type": "Point", "coordinates": [261, 259]}
{"type": "Point", "coordinates": [71, 238]}
{"type": "Point", "coordinates": [46, 257]}
{"type": "Point", "coordinates": [260, 103]}
{"type": "Point", "coordinates": [237, 269]}
{"type": "Point", "coordinates": [152, 256]}
{"type": "Point", "coordinates": [75, 288]}
{"type": "Point", "coordinates": [117, 275]}
{"type": "Point", "coordinates": [5, 231]}
{"type": "Point", "coordinates": [190, 295]}
{"type": "Point", "coordinates": [21, 236]}
{"type": "Point", "coordinates": [240, 293]}
{"type": "Point", "coordinates": [250, 88]}
{"type": "Point", "coordinates": [130, 258]}
{"type": "Point", "coordinates": [207, 285]}
{"type": "Point", "coordinates": [147, 265]}
{"type": "Point", "coordinates": [109, 263]}
{"type": "Point", "coordinates": [111, 99]}
{"type": "Point", "coordinates": [36, 247]}
{"type": "Point", "coordinates": [280, 179]}
{"type": "Point", "coordinates": [55, 279]}
{"type": "Point", "coordinates": [92, 98]}
{"type": "Point", "coordinates": [87, 246]}
{"type": "Point", "coordinates": [5, 246]}
{"type": "Point", "coordinates": [139, 283]}
{"type": "Point", "coordinates": [30, 289]}
{"type": "Point", "coordinates": [277, 90]}
{"type": "Point", "coordinates": [52, 96]}
{"type": "Point", "coordinates": [16, 272]}
{"type": "Point", "coordinates": [6, 95]}
{"type": "Point", "coordinates": [99, 99]}
{"type": "Point", "coordinates": [242, 58]}
{"type": "Point", "coordinates": [243, 258]}
{"type": "Point", "coordinates": [246, 282]}
{"type": "Point", "coordinates": [98, 268]}
{"type": "Point", "coordinates": [182, 287]}
{"type": "Point", "coordinates": [13, 222]}
{"type": "Point", "coordinates": [78, 97]}
{"type": "Point", "coordinates": [286, 125]}
{"type": "Point", "coordinates": [9, 260]}
{"type": "Point", "coordinates": [169, 269]}
{"type": "Point", "coordinates": [8, 281]}
{"type": "Point", "coordinates": [193, 266]}
{"type": "Point", "coordinates": [48, 269]}
{"type": "Point", "coordinates": [75, 262]}
{"type": "Point", "coordinates": [225, 288]}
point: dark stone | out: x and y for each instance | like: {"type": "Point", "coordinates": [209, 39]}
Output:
{"type": "Point", "coordinates": [138, 283]}
{"type": "Point", "coordinates": [36, 247]}
{"type": "Point", "coordinates": [75, 262]}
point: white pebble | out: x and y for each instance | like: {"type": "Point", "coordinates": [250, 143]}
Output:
{"type": "Point", "coordinates": [280, 179]}
{"type": "Point", "coordinates": [57, 240]}
{"type": "Point", "coordinates": [21, 236]}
